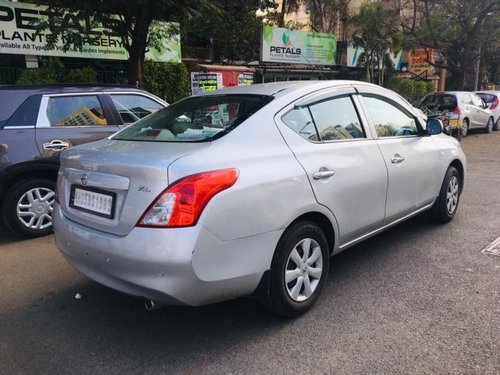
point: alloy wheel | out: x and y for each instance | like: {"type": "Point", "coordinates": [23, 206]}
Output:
{"type": "Point", "coordinates": [34, 208]}
{"type": "Point", "coordinates": [452, 195]}
{"type": "Point", "coordinates": [303, 270]}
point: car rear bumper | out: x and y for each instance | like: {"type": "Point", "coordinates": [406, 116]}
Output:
{"type": "Point", "coordinates": [187, 266]}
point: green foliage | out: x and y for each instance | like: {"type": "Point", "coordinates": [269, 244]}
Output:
{"type": "Point", "coordinates": [169, 81]}
{"type": "Point", "coordinates": [457, 30]}
{"type": "Point", "coordinates": [410, 89]}
{"type": "Point", "coordinates": [235, 36]}
{"type": "Point", "coordinates": [377, 31]}
{"type": "Point", "coordinates": [52, 71]}
{"type": "Point", "coordinates": [83, 75]}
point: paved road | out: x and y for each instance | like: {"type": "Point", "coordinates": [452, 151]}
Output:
{"type": "Point", "coordinates": [418, 299]}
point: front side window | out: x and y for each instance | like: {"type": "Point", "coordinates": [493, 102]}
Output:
{"type": "Point", "coordinates": [132, 107]}
{"type": "Point", "coordinates": [389, 120]}
{"type": "Point", "coordinates": [84, 110]}
{"type": "Point", "coordinates": [195, 119]}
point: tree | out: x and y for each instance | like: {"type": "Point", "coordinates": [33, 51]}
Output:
{"type": "Point", "coordinates": [130, 20]}
{"type": "Point", "coordinates": [236, 36]}
{"type": "Point", "coordinates": [455, 29]}
{"type": "Point", "coordinates": [325, 15]}
{"type": "Point", "coordinates": [377, 31]}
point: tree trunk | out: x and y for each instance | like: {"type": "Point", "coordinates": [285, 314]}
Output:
{"type": "Point", "coordinates": [137, 49]}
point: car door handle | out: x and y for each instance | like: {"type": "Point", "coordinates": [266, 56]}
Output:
{"type": "Point", "coordinates": [323, 173]}
{"type": "Point", "coordinates": [55, 145]}
{"type": "Point", "coordinates": [396, 159]}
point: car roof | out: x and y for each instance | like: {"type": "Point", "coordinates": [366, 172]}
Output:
{"type": "Point", "coordinates": [65, 88]}
{"type": "Point", "coordinates": [278, 88]}
{"type": "Point", "coordinates": [11, 96]}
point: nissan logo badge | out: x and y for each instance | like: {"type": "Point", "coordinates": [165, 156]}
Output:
{"type": "Point", "coordinates": [84, 179]}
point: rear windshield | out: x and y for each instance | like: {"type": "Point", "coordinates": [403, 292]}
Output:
{"type": "Point", "coordinates": [440, 101]}
{"type": "Point", "coordinates": [487, 98]}
{"type": "Point", "coordinates": [195, 119]}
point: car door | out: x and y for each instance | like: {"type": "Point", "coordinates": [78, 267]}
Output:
{"type": "Point", "coordinates": [483, 114]}
{"type": "Point", "coordinates": [341, 159]}
{"type": "Point", "coordinates": [411, 156]}
{"type": "Point", "coordinates": [68, 120]}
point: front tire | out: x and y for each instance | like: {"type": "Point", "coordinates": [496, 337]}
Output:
{"type": "Point", "coordinates": [446, 204]}
{"type": "Point", "coordinates": [28, 207]}
{"type": "Point", "coordinates": [465, 127]}
{"type": "Point", "coordinates": [299, 269]}
{"type": "Point", "coordinates": [489, 126]}
{"type": "Point", "coordinates": [497, 125]}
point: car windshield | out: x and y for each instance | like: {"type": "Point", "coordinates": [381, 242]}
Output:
{"type": "Point", "coordinates": [440, 101]}
{"type": "Point", "coordinates": [195, 119]}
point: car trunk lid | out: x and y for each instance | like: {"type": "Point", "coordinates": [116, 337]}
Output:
{"type": "Point", "coordinates": [107, 185]}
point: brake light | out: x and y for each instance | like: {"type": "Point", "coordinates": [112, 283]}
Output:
{"type": "Point", "coordinates": [494, 103]}
{"type": "Point", "coordinates": [455, 113]}
{"type": "Point", "coordinates": [182, 203]}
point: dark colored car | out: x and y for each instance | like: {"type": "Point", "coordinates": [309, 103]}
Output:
{"type": "Point", "coordinates": [37, 123]}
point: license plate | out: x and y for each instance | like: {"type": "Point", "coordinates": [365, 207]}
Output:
{"type": "Point", "coordinates": [94, 201]}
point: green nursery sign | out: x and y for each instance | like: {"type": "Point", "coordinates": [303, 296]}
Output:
{"type": "Point", "coordinates": [19, 35]}
{"type": "Point", "coordinates": [297, 47]}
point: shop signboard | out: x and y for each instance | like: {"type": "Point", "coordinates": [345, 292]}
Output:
{"type": "Point", "coordinates": [297, 47]}
{"type": "Point", "coordinates": [418, 61]}
{"type": "Point", "coordinates": [19, 35]}
{"type": "Point", "coordinates": [245, 79]}
{"type": "Point", "coordinates": [205, 82]}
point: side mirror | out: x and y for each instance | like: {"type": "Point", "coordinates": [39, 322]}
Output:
{"type": "Point", "coordinates": [434, 126]}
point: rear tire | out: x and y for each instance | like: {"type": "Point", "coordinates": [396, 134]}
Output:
{"type": "Point", "coordinates": [446, 204]}
{"type": "Point", "coordinates": [299, 269]}
{"type": "Point", "coordinates": [28, 207]}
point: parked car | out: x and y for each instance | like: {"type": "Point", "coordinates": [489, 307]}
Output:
{"type": "Point", "coordinates": [37, 123]}
{"type": "Point", "coordinates": [464, 110]}
{"type": "Point", "coordinates": [250, 190]}
{"type": "Point", "coordinates": [492, 99]}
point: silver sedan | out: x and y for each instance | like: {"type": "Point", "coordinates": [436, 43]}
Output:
{"type": "Point", "coordinates": [248, 191]}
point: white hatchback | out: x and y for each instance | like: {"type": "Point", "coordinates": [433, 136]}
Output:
{"type": "Point", "coordinates": [250, 190]}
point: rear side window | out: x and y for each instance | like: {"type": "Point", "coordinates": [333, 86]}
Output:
{"type": "Point", "coordinates": [27, 112]}
{"type": "Point", "coordinates": [133, 107]}
{"type": "Point", "coordinates": [195, 119]}
{"type": "Point", "coordinates": [328, 120]}
{"type": "Point", "coordinates": [337, 119]}
{"type": "Point", "coordinates": [84, 110]}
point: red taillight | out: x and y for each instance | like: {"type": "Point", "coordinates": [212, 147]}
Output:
{"type": "Point", "coordinates": [181, 204]}
{"type": "Point", "coordinates": [494, 103]}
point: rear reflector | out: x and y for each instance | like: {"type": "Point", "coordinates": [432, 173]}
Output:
{"type": "Point", "coordinates": [182, 203]}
